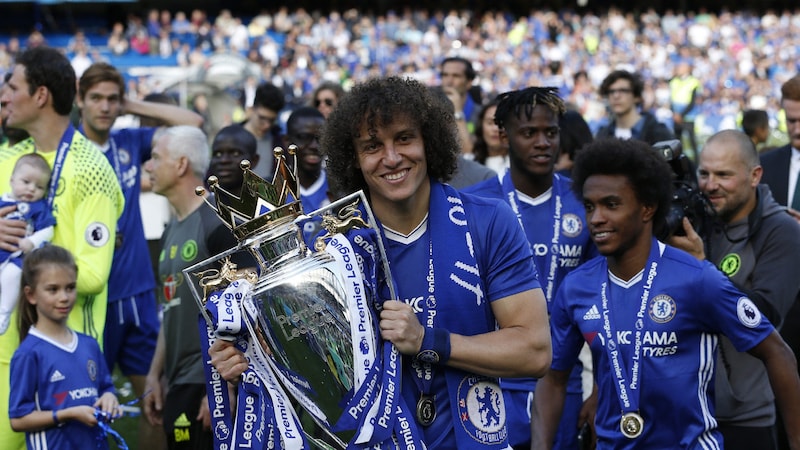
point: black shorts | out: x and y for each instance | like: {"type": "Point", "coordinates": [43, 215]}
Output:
{"type": "Point", "coordinates": [183, 430]}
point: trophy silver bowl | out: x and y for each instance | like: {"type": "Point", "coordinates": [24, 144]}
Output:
{"type": "Point", "coordinates": [300, 312]}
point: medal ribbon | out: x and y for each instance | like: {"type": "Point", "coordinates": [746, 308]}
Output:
{"type": "Point", "coordinates": [511, 197]}
{"type": "Point", "coordinates": [377, 381]}
{"type": "Point", "coordinates": [628, 393]}
{"type": "Point", "coordinates": [216, 388]}
{"type": "Point", "coordinates": [426, 371]}
{"type": "Point", "coordinates": [254, 411]}
{"type": "Point", "coordinates": [282, 416]}
{"type": "Point", "coordinates": [58, 164]}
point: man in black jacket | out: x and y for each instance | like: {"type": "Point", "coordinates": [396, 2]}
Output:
{"type": "Point", "coordinates": [782, 165]}
{"type": "Point", "coordinates": [781, 168]}
{"type": "Point", "coordinates": [755, 243]}
{"type": "Point", "coordinates": [623, 91]}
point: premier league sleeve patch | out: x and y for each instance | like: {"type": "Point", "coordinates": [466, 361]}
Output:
{"type": "Point", "coordinates": [97, 234]}
{"type": "Point", "coordinates": [481, 410]}
{"type": "Point", "coordinates": [748, 313]}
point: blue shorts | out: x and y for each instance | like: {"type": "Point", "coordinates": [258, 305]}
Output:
{"type": "Point", "coordinates": [518, 416]}
{"type": "Point", "coordinates": [518, 411]}
{"type": "Point", "coordinates": [131, 333]}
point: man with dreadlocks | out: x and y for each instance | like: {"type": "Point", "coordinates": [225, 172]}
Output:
{"type": "Point", "coordinates": [552, 218]}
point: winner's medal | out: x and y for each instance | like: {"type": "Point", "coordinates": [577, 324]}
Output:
{"type": "Point", "coordinates": [426, 410]}
{"type": "Point", "coordinates": [631, 425]}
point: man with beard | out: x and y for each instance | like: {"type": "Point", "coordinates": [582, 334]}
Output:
{"type": "Point", "coordinates": [755, 243]}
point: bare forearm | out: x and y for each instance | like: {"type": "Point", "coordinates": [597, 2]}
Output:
{"type": "Point", "coordinates": [783, 377]}
{"type": "Point", "coordinates": [520, 347]}
{"type": "Point", "coordinates": [157, 363]}
{"type": "Point", "coordinates": [548, 403]}
{"type": "Point", "coordinates": [37, 420]}
{"type": "Point", "coordinates": [170, 114]}
{"type": "Point", "coordinates": [786, 387]}
{"type": "Point", "coordinates": [508, 352]}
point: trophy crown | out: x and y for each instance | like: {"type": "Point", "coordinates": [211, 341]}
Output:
{"type": "Point", "coordinates": [260, 202]}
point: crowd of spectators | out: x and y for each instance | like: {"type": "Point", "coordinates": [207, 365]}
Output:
{"type": "Point", "coordinates": [741, 58]}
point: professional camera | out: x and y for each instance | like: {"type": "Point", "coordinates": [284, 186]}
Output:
{"type": "Point", "coordinates": [687, 199]}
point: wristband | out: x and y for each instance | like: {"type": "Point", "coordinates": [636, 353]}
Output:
{"type": "Point", "coordinates": [435, 346]}
{"type": "Point", "coordinates": [459, 116]}
{"type": "Point", "coordinates": [55, 418]}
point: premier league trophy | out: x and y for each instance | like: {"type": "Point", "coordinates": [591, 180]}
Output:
{"type": "Point", "coordinates": [298, 296]}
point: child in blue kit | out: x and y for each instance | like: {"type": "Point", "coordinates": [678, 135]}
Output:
{"type": "Point", "coordinates": [61, 382]}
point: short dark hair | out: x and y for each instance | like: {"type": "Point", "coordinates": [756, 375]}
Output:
{"type": "Point", "coordinates": [378, 102]}
{"type": "Point", "coordinates": [97, 73]}
{"type": "Point", "coordinates": [301, 113]}
{"type": "Point", "coordinates": [241, 135]}
{"type": "Point", "coordinates": [469, 71]}
{"type": "Point", "coordinates": [574, 133]}
{"type": "Point", "coordinates": [646, 170]}
{"type": "Point", "coordinates": [269, 96]}
{"type": "Point", "coordinates": [637, 85]}
{"type": "Point", "coordinates": [790, 90]}
{"type": "Point", "coordinates": [525, 100]}
{"type": "Point", "coordinates": [753, 119]}
{"type": "Point", "coordinates": [48, 67]}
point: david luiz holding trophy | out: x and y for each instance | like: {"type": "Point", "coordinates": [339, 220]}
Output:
{"type": "Point", "coordinates": [451, 290]}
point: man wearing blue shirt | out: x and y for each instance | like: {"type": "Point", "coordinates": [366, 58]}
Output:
{"type": "Point", "coordinates": [132, 318]}
{"type": "Point", "coordinates": [652, 316]}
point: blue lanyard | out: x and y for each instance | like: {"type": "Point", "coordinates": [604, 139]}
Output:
{"type": "Point", "coordinates": [58, 164]}
{"type": "Point", "coordinates": [513, 199]}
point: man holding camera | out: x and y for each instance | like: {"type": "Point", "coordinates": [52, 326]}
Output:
{"type": "Point", "coordinates": [755, 243]}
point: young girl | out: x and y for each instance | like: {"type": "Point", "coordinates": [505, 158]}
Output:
{"type": "Point", "coordinates": [59, 377]}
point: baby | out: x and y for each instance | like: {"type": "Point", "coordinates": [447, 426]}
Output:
{"type": "Point", "coordinates": [29, 183]}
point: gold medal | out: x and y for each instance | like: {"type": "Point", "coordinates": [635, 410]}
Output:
{"type": "Point", "coordinates": [426, 410]}
{"type": "Point", "coordinates": [631, 425]}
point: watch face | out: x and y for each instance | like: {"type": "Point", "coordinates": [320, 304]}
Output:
{"type": "Point", "coordinates": [428, 356]}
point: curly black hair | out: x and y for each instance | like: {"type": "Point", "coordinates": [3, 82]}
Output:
{"type": "Point", "coordinates": [379, 102]}
{"type": "Point", "coordinates": [648, 172]}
